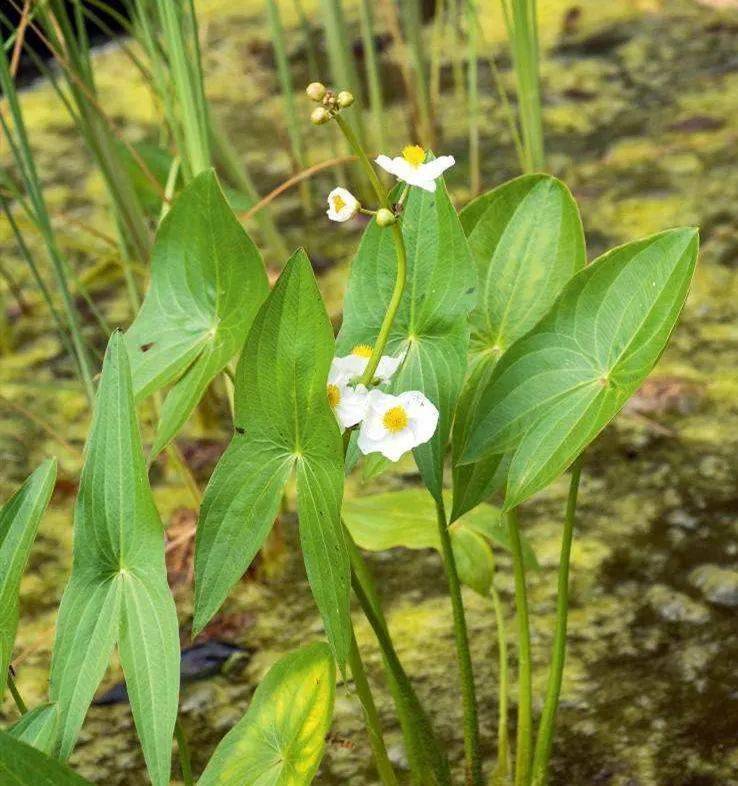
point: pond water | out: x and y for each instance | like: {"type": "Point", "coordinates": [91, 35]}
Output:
{"type": "Point", "coordinates": [641, 119]}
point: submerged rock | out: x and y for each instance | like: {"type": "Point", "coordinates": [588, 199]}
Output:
{"type": "Point", "coordinates": [196, 663]}
{"type": "Point", "coordinates": [674, 606]}
{"type": "Point", "coordinates": [718, 585]}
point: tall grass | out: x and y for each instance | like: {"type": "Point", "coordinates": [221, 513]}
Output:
{"type": "Point", "coordinates": [294, 130]}
{"type": "Point", "coordinates": [413, 25]}
{"type": "Point", "coordinates": [16, 136]}
{"type": "Point", "coordinates": [472, 25]}
{"type": "Point", "coordinates": [522, 29]}
{"type": "Point", "coordinates": [373, 78]}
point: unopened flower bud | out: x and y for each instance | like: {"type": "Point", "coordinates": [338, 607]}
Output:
{"type": "Point", "coordinates": [345, 99]}
{"type": "Point", "coordinates": [319, 115]}
{"type": "Point", "coordinates": [315, 91]}
{"type": "Point", "coordinates": [385, 218]}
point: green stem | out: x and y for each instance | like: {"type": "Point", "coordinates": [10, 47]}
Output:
{"type": "Point", "coordinates": [401, 277]}
{"type": "Point", "coordinates": [525, 682]}
{"type": "Point", "coordinates": [466, 673]}
{"type": "Point", "coordinates": [425, 756]}
{"type": "Point", "coordinates": [184, 754]}
{"type": "Point", "coordinates": [502, 769]}
{"type": "Point", "coordinates": [17, 698]}
{"type": "Point", "coordinates": [372, 73]}
{"type": "Point", "coordinates": [544, 740]}
{"type": "Point", "coordinates": [371, 716]}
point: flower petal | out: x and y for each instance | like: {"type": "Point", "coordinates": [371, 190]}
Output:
{"type": "Point", "coordinates": [434, 169]}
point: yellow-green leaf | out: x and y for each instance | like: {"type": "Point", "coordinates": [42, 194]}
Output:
{"type": "Point", "coordinates": [281, 738]}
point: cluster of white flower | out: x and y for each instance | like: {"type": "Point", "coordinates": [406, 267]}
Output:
{"type": "Point", "coordinates": [411, 168]}
{"type": "Point", "coordinates": [390, 425]}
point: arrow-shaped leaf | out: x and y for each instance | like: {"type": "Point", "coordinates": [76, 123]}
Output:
{"type": "Point", "coordinates": [22, 765]}
{"type": "Point", "coordinates": [560, 385]}
{"type": "Point", "coordinates": [527, 241]}
{"type": "Point", "coordinates": [118, 589]}
{"type": "Point", "coordinates": [431, 324]}
{"type": "Point", "coordinates": [283, 422]}
{"type": "Point", "coordinates": [281, 738]}
{"type": "Point", "coordinates": [207, 283]}
{"type": "Point", "coordinates": [19, 520]}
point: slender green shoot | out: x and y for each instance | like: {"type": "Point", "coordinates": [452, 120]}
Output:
{"type": "Point", "coordinates": [525, 680]}
{"type": "Point", "coordinates": [501, 772]}
{"type": "Point", "coordinates": [439, 23]}
{"type": "Point", "coordinates": [544, 740]}
{"type": "Point", "coordinates": [522, 29]}
{"type": "Point", "coordinates": [371, 716]}
{"type": "Point", "coordinates": [466, 673]}
{"type": "Point", "coordinates": [184, 754]}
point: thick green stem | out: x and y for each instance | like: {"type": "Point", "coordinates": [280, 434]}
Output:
{"type": "Point", "coordinates": [371, 716]}
{"type": "Point", "coordinates": [525, 682]}
{"type": "Point", "coordinates": [427, 762]}
{"type": "Point", "coordinates": [466, 672]}
{"type": "Point", "coordinates": [184, 754]}
{"type": "Point", "coordinates": [13, 688]}
{"type": "Point", "coordinates": [544, 740]}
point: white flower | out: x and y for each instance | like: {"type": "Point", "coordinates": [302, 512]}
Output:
{"type": "Point", "coordinates": [411, 168]}
{"type": "Point", "coordinates": [354, 365]}
{"type": "Point", "coordinates": [348, 403]}
{"type": "Point", "coordinates": [342, 205]}
{"type": "Point", "coordinates": [395, 424]}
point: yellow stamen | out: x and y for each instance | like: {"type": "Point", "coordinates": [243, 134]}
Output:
{"type": "Point", "coordinates": [338, 203]}
{"type": "Point", "coordinates": [414, 155]}
{"type": "Point", "coordinates": [334, 395]}
{"type": "Point", "coordinates": [362, 351]}
{"type": "Point", "coordinates": [395, 419]}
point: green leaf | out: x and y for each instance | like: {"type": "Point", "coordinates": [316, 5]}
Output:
{"type": "Point", "coordinates": [527, 241]}
{"type": "Point", "coordinates": [22, 765]}
{"type": "Point", "coordinates": [431, 323]}
{"type": "Point", "coordinates": [19, 520]}
{"type": "Point", "coordinates": [407, 519]}
{"type": "Point", "coordinates": [281, 738]}
{"type": "Point", "coordinates": [560, 385]}
{"type": "Point", "coordinates": [118, 589]}
{"type": "Point", "coordinates": [284, 421]}
{"type": "Point", "coordinates": [207, 283]}
{"type": "Point", "coordinates": [37, 728]}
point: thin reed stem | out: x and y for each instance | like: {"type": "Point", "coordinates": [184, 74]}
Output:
{"type": "Point", "coordinates": [413, 24]}
{"type": "Point", "coordinates": [371, 716]}
{"type": "Point", "coordinates": [544, 740]}
{"type": "Point", "coordinates": [288, 96]}
{"type": "Point", "coordinates": [463, 654]}
{"type": "Point", "coordinates": [374, 81]}
{"type": "Point", "coordinates": [472, 24]}
{"type": "Point", "coordinates": [525, 683]}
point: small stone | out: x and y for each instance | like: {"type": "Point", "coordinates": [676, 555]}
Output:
{"type": "Point", "coordinates": [674, 606]}
{"type": "Point", "coordinates": [719, 585]}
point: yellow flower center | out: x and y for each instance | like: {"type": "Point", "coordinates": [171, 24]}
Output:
{"type": "Point", "coordinates": [334, 395]}
{"type": "Point", "coordinates": [362, 351]}
{"type": "Point", "coordinates": [414, 155]}
{"type": "Point", "coordinates": [395, 419]}
{"type": "Point", "coordinates": [338, 203]}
